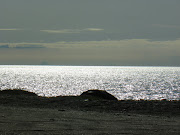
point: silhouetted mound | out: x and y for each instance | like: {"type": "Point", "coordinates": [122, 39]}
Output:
{"type": "Point", "coordinates": [16, 92]}
{"type": "Point", "coordinates": [98, 94]}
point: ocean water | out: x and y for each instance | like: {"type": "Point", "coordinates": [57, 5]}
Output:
{"type": "Point", "coordinates": [149, 83]}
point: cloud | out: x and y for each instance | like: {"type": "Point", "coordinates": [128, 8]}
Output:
{"type": "Point", "coordinates": [127, 44]}
{"type": "Point", "coordinates": [28, 46]}
{"type": "Point", "coordinates": [21, 45]}
{"type": "Point", "coordinates": [129, 48]}
{"type": "Point", "coordinates": [120, 52]}
{"type": "Point", "coordinates": [93, 29]}
{"type": "Point", "coordinates": [121, 44]}
{"type": "Point", "coordinates": [9, 29]}
{"type": "Point", "coordinates": [66, 31]}
{"type": "Point", "coordinates": [62, 31]}
{"type": "Point", "coordinates": [4, 46]}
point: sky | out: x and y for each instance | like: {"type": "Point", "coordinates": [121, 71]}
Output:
{"type": "Point", "coordinates": [90, 32]}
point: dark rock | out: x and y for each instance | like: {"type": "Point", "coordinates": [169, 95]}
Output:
{"type": "Point", "coordinates": [16, 92]}
{"type": "Point", "coordinates": [91, 100]}
{"type": "Point", "coordinates": [97, 94]}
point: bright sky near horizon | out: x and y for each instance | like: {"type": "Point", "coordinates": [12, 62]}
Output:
{"type": "Point", "coordinates": [90, 32]}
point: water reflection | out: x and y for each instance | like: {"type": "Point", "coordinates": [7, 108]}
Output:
{"type": "Point", "coordinates": [122, 82]}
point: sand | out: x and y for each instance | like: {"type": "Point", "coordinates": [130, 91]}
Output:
{"type": "Point", "coordinates": [27, 121]}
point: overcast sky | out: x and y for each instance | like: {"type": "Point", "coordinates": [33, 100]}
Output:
{"type": "Point", "coordinates": [90, 32]}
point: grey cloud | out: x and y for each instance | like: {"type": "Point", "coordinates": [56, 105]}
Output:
{"type": "Point", "coordinates": [28, 46]}
{"type": "Point", "coordinates": [4, 46]}
{"type": "Point", "coordinates": [66, 31]}
{"type": "Point", "coordinates": [7, 29]}
{"type": "Point", "coordinates": [134, 18]}
{"type": "Point", "coordinates": [125, 52]}
{"type": "Point", "coordinates": [21, 46]}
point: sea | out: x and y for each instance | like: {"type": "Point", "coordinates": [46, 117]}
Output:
{"type": "Point", "coordinates": [123, 82]}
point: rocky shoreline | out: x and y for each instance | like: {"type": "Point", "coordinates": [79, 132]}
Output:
{"type": "Point", "coordinates": [85, 102]}
{"type": "Point", "coordinates": [25, 113]}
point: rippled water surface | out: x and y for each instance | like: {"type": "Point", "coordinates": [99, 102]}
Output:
{"type": "Point", "coordinates": [122, 82]}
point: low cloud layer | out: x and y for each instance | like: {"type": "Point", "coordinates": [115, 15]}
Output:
{"type": "Point", "coordinates": [65, 31]}
{"type": "Point", "coordinates": [122, 52]}
{"type": "Point", "coordinates": [120, 44]}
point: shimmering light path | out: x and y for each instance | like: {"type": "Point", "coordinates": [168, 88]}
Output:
{"type": "Point", "coordinates": [122, 82]}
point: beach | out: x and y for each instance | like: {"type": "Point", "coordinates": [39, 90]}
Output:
{"type": "Point", "coordinates": [25, 113]}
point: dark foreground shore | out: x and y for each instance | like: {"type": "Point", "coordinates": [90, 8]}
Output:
{"type": "Point", "coordinates": [25, 113]}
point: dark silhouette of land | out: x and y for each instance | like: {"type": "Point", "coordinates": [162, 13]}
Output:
{"type": "Point", "coordinates": [92, 112]}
